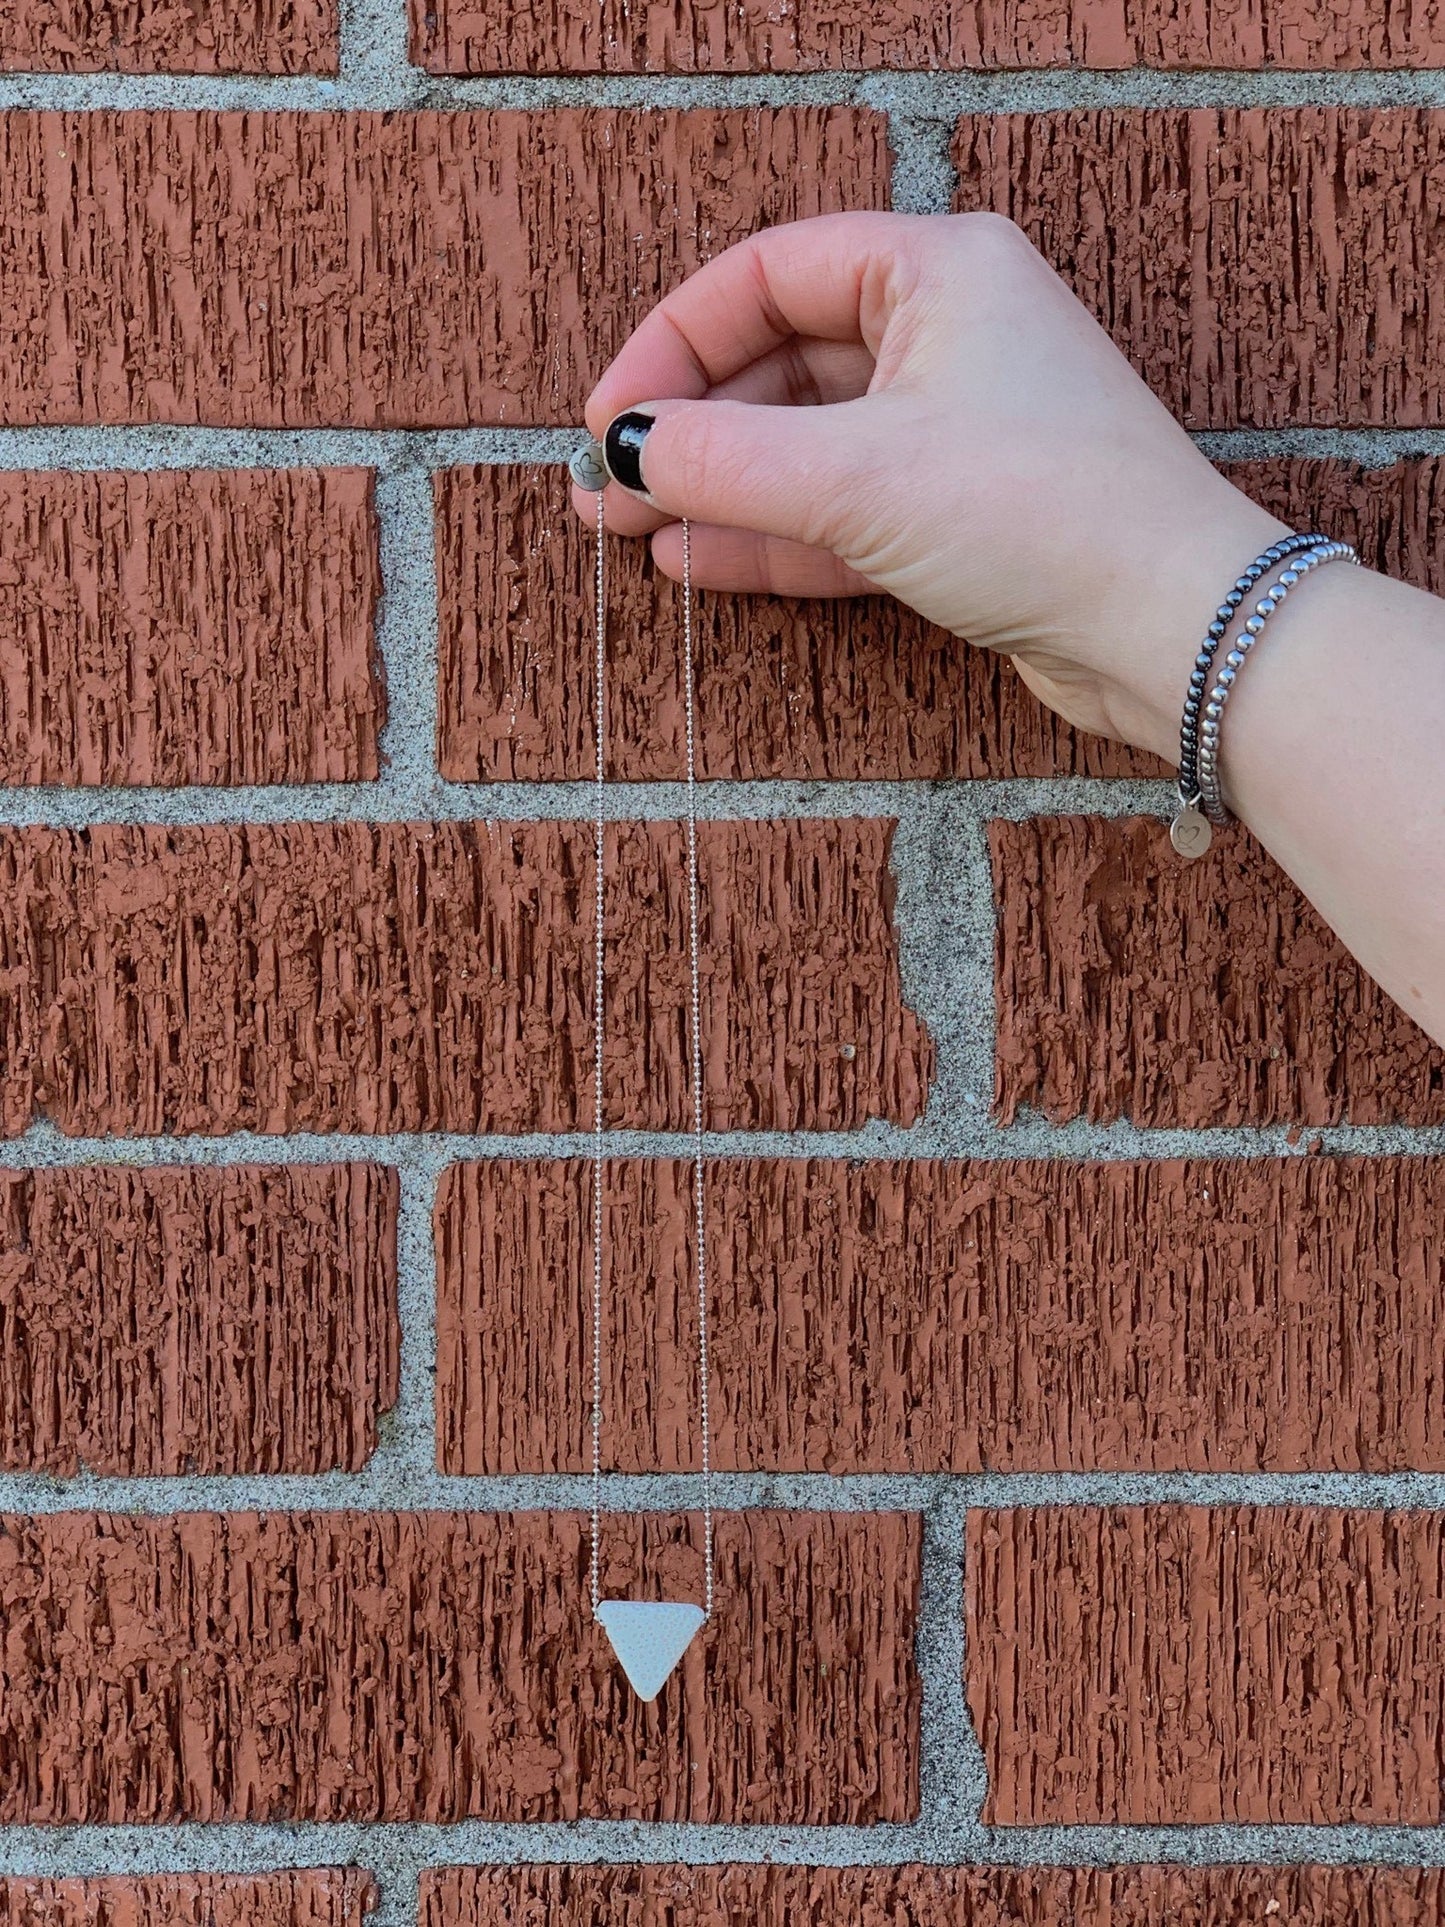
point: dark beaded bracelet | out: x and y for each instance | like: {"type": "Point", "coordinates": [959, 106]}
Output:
{"type": "Point", "coordinates": [1203, 662]}
{"type": "Point", "coordinates": [1200, 801]}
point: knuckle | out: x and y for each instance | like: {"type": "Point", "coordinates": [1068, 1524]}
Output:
{"type": "Point", "coordinates": [990, 237]}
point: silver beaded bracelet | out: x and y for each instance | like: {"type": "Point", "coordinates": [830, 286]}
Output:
{"type": "Point", "coordinates": [1200, 801]}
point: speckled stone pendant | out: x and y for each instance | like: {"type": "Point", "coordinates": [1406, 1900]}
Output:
{"type": "Point", "coordinates": [649, 1637]}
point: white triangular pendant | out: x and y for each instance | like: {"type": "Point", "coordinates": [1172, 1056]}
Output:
{"type": "Point", "coordinates": [649, 1637]}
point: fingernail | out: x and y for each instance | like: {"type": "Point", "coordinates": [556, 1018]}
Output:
{"type": "Point", "coordinates": [623, 446]}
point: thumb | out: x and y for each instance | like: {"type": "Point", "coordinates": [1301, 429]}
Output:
{"type": "Point", "coordinates": [807, 474]}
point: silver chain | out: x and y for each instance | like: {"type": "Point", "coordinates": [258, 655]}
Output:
{"type": "Point", "coordinates": [695, 1026]}
{"type": "Point", "coordinates": [599, 905]}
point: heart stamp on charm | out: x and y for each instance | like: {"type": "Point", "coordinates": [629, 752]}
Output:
{"type": "Point", "coordinates": [1191, 832]}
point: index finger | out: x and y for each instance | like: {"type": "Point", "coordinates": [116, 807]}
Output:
{"type": "Point", "coordinates": [832, 276]}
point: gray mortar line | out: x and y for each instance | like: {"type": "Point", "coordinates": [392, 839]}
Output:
{"type": "Point", "coordinates": [42, 1147]}
{"type": "Point", "coordinates": [406, 1434]}
{"type": "Point", "coordinates": [402, 451]}
{"type": "Point", "coordinates": [407, 631]}
{"type": "Point", "coordinates": [923, 173]}
{"type": "Point", "coordinates": [944, 917]}
{"type": "Point", "coordinates": [412, 791]}
{"type": "Point", "coordinates": [376, 75]}
{"type": "Point", "coordinates": [162, 445]}
{"type": "Point", "coordinates": [179, 445]}
{"type": "Point", "coordinates": [1370, 447]}
{"type": "Point", "coordinates": [397, 1482]}
{"type": "Point", "coordinates": [399, 1851]}
{"type": "Point", "coordinates": [374, 51]}
{"type": "Point", "coordinates": [953, 1776]}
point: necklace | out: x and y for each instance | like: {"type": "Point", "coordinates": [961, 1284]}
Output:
{"type": "Point", "coordinates": [649, 1637]}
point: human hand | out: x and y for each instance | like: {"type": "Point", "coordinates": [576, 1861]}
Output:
{"type": "Point", "coordinates": [918, 404]}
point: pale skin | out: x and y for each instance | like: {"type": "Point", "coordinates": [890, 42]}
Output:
{"type": "Point", "coordinates": [918, 405]}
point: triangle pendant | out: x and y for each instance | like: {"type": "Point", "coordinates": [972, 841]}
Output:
{"type": "Point", "coordinates": [649, 1637]}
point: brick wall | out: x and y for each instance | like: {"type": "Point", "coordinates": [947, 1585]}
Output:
{"type": "Point", "coordinates": [1078, 1218]}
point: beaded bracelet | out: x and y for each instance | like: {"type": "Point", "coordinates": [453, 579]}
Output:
{"type": "Point", "coordinates": [1200, 801]}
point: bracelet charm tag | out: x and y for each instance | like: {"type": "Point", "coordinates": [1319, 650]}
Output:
{"type": "Point", "coordinates": [1190, 832]}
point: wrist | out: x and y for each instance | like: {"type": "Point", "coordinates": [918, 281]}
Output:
{"type": "Point", "coordinates": [1155, 633]}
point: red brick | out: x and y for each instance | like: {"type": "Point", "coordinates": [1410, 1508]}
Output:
{"type": "Point", "coordinates": [1043, 1315]}
{"type": "Point", "coordinates": [788, 688]}
{"type": "Point", "coordinates": [757, 36]}
{"type": "Point", "coordinates": [923, 1896]}
{"type": "Point", "coordinates": [171, 627]}
{"type": "Point", "coordinates": [1250, 262]}
{"type": "Point", "coordinates": [196, 1319]}
{"type": "Point", "coordinates": [422, 977]}
{"type": "Point", "coordinates": [152, 36]}
{"type": "Point", "coordinates": [1230, 1002]}
{"type": "Point", "coordinates": [399, 269]}
{"type": "Point", "coordinates": [437, 1666]}
{"type": "Point", "coordinates": [320, 1897]}
{"type": "Point", "coordinates": [1196, 1665]}
{"type": "Point", "coordinates": [1394, 516]}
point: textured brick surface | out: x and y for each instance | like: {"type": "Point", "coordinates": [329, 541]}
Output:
{"type": "Point", "coordinates": [1395, 516]}
{"type": "Point", "coordinates": [468, 36]}
{"type": "Point", "coordinates": [435, 1666]}
{"type": "Point", "coordinates": [1229, 1003]}
{"type": "Point", "coordinates": [1231, 1315]}
{"type": "Point", "coordinates": [196, 1319]}
{"type": "Point", "coordinates": [788, 688]}
{"type": "Point", "coordinates": [323, 1897]}
{"type": "Point", "coordinates": [171, 36]}
{"type": "Point", "coordinates": [461, 266]}
{"type": "Point", "coordinates": [859, 689]}
{"type": "Point", "coordinates": [1200, 1664]}
{"type": "Point", "coordinates": [420, 977]}
{"type": "Point", "coordinates": [919, 1896]}
{"type": "Point", "coordinates": [377, 269]}
{"type": "Point", "coordinates": [173, 627]}
{"type": "Point", "coordinates": [405, 977]}
{"type": "Point", "coordinates": [1265, 266]}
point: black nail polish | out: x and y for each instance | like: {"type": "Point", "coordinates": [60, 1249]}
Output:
{"type": "Point", "coordinates": [623, 444]}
